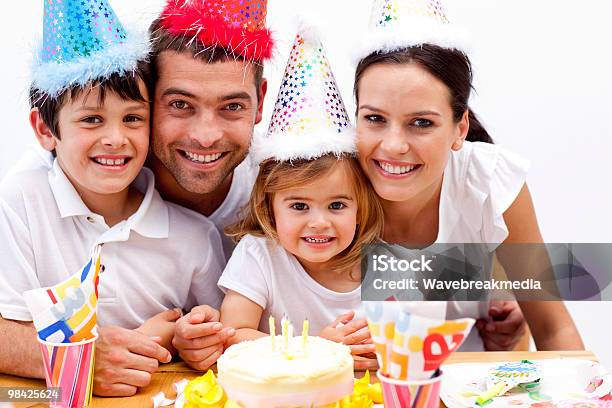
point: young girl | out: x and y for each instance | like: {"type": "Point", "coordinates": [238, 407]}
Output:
{"type": "Point", "coordinates": [311, 211]}
{"type": "Point", "coordinates": [440, 178]}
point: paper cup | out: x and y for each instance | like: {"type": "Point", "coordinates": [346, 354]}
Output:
{"type": "Point", "coordinates": [405, 394]}
{"type": "Point", "coordinates": [69, 366]}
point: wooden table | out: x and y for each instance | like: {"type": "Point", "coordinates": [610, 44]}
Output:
{"type": "Point", "coordinates": [168, 374]}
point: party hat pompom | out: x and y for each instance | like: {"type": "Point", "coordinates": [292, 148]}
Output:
{"type": "Point", "coordinates": [83, 41]}
{"type": "Point", "coordinates": [396, 24]}
{"type": "Point", "coordinates": [236, 25]}
{"type": "Point", "coordinates": [309, 119]}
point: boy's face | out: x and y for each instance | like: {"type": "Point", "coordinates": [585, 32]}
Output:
{"type": "Point", "coordinates": [203, 118]}
{"type": "Point", "coordinates": [102, 147]}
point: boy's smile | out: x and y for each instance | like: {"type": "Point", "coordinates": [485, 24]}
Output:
{"type": "Point", "coordinates": [102, 144]}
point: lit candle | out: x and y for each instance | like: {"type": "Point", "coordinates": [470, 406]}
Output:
{"type": "Point", "coordinates": [304, 334]}
{"type": "Point", "coordinates": [272, 331]}
{"type": "Point", "coordinates": [285, 333]}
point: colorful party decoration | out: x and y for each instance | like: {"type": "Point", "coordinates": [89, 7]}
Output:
{"type": "Point", "coordinates": [66, 312]}
{"type": "Point", "coordinates": [396, 24]}
{"type": "Point", "coordinates": [83, 41]}
{"type": "Point", "coordinates": [309, 119]}
{"type": "Point", "coordinates": [409, 346]}
{"type": "Point", "coordinates": [70, 367]}
{"type": "Point", "coordinates": [235, 25]}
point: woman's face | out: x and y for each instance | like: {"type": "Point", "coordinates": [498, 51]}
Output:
{"type": "Point", "coordinates": [405, 130]}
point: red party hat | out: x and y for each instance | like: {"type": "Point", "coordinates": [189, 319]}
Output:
{"type": "Point", "coordinates": [236, 25]}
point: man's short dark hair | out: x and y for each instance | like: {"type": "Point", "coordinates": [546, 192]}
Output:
{"type": "Point", "coordinates": [163, 40]}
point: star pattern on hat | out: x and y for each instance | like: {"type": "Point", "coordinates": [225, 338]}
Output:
{"type": "Point", "coordinates": [308, 99]}
{"type": "Point", "coordinates": [391, 10]}
{"type": "Point", "coordinates": [75, 28]}
{"type": "Point", "coordinates": [250, 15]}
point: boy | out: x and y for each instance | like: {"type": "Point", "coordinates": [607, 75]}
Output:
{"type": "Point", "coordinates": [90, 107]}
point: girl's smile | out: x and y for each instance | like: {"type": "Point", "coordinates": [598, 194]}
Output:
{"type": "Point", "coordinates": [317, 221]}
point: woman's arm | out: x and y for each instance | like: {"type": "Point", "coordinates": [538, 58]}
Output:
{"type": "Point", "coordinates": [242, 314]}
{"type": "Point", "coordinates": [549, 321]}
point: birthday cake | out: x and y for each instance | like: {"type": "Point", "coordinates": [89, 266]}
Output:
{"type": "Point", "coordinates": [280, 372]}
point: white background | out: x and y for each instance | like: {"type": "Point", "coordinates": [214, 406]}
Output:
{"type": "Point", "coordinates": [543, 88]}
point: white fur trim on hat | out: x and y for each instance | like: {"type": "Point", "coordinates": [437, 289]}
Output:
{"type": "Point", "coordinates": [289, 146]}
{"type": "Point", "coordinates": [412, 32]}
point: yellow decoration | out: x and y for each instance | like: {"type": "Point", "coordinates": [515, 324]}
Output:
{"type": "Point", "coordinates": [365, 395]}
{"type": "Point", "coordinates": [390, 330]}
{"type": "Point", "coordinates": [415, 344]}
{"type": "Point", "coordinates": [373, 391]}
{"type": "Point", "coordinates": [205, 392]}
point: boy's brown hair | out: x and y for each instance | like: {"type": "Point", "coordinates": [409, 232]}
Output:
{"type": "Point", "coordinates": [275, 176]}
{"type": "Point", "coordinates": [123, 84]}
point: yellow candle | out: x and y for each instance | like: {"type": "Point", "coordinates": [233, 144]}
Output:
{"type": "Point", "coordinates": [285, 333]}
{"type": "Point", "coordinates": [272, 331]}
{"type": "Point", "coordinates": [304, 334]}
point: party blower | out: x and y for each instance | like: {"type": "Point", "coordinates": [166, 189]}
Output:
{"type": "Point", "coordinates": [64, 316]}
{"type": "Point", "coordinates": [410, 349]}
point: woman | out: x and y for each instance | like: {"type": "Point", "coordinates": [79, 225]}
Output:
{"type": "Point", "coordinates": [439, 175]}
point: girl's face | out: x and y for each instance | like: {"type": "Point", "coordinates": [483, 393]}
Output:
{"type": "Point", "coordinates": [405, 130]}
{"type": "Point", "coordinates": [317, 221]}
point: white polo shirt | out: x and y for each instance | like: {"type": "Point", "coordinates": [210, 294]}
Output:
{"type": "Point", "coordinates": [229, 212]}
{"type": "Point", "coordinates": [161, 257]}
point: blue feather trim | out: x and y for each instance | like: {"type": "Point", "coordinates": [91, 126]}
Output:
{"type": "Point", "coordinates": [53, 78]}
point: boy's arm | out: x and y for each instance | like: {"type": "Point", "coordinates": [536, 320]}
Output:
{"type": "Point", "coordinates": [242, 314]}
{"type": "Point", "coordinates": [20, 357]}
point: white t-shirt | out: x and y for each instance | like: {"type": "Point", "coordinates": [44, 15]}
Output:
{"type": "Point", "coordinates": [267, 274]}
{"type": "Point", "coordinates": [163, 256]}
{"type": "Point", "coordinates": [226, 214]}
{"type": "Point", "coordinates": [235, 203]}
{"type": "Point", "coordinates": [480, 183]}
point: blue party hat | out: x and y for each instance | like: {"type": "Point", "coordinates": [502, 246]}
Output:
{"type": "Point", "coordinates": [83, 40]}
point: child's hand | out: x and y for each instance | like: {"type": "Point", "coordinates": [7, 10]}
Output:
{"type": "Point", "coordinates": [162, 325]}
{"type": "Point", "coordinates": [199, 337]}
{"type": "Point", "coordinates": [356, 335]}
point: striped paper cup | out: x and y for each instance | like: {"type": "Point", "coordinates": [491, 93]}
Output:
{"type": "Point", "coordinates": [411, 394]}
{"type": "Point", "coordinates": [70, 366]}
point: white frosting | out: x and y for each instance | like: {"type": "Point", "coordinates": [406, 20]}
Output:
{"type": "Point", "coordinates": [254, 367]}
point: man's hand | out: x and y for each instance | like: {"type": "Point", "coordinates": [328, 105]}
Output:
{"type": "Point", "coordinates": [199, 337]}
{"type": "Point", "coordinates": [356, 335]}
{"type": "Point", "coordinates": [125, 360]}
{"type": "Point", "coordinates": [504, 328]}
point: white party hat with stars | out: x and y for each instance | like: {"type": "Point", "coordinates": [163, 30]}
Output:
{"type": "Point", "coordinates": [309, 119]}
{"type": "Point", "coordinates": [396, 24]}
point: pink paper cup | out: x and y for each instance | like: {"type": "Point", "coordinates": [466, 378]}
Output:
{"type": "Point", "coordinates": [70, 367]}
{"type": "Point", "coordinates": [410, 394]}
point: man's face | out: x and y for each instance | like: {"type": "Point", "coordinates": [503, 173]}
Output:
{"type": "Point", "coordinates": [203, 118]}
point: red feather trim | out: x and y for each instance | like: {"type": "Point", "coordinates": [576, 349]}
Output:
{"type": "Point", "coordinates": [188, 20]}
